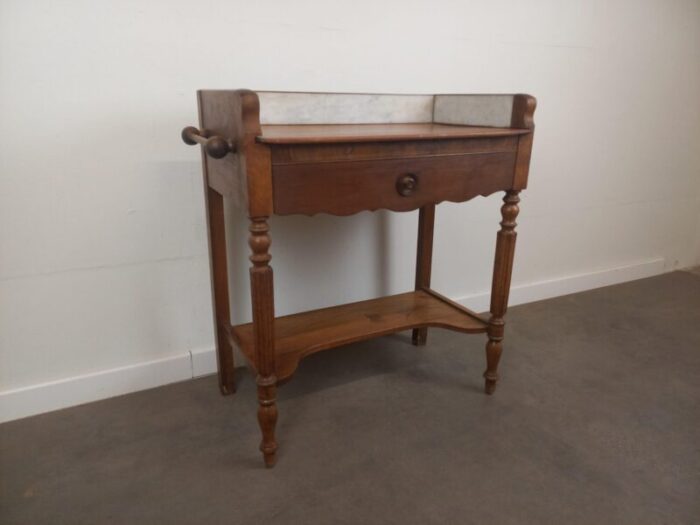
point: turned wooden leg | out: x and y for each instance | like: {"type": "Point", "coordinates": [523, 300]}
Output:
{"type": "Point", "coordinates": [219, 273]}
{"type": "Point", "coordinates": [261, 290]}
{"type": "Point", "coordinates": [424, 256]}
{"type": "Point", "coordinates": [502, 269]}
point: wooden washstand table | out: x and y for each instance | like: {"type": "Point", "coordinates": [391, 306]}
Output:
{"type": "Point", "coordinates": [308, 153]}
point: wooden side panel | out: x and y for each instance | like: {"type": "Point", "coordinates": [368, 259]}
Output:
{"type": "Point", "coordinates": [523, 117]}
{"type": "Point", "coordinates": [220, 114]}
{"type": "Point", "coordinates": [244, 176]}
{"type": "Point", "coordinates": [344, 188]}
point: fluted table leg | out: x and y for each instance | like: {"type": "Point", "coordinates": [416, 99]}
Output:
{"type": "Point", "coordinates": [261, 289]}
{"type": "Point", "coordinates": [502, 269]}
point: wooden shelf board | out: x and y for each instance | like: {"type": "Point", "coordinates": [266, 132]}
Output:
{"type": "Point", "coordinates": [330, 133]}
{"type": "Point", "coordinates": [302, 334]}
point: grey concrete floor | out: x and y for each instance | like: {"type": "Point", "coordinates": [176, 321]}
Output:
{"type": "Point", "coordinates": [596, 420]}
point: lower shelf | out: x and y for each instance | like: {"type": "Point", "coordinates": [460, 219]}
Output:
{"type": "Point", "coordinates": [302, 334]}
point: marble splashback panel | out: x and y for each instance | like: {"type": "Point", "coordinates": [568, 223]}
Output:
{"type": "Point", "coordinates": [474, 110]}
{"type": "Point", "coordinates": [343, 108]}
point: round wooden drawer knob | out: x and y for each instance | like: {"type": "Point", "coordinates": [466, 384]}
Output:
{"type": "Point", "coordinates": [406, 184]}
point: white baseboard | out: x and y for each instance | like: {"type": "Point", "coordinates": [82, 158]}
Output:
{"type": "Point", "coordinates": [540, 290]}
{"type": "Point", "coordinates": [46, 397]}
{"type": "Point", "coordinates": [55, 395]}
{"type": "Point", "coordinates": [204, 362]}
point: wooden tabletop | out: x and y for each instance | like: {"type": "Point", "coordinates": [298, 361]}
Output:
{"type": "Point", "coordinates": [329, 133]}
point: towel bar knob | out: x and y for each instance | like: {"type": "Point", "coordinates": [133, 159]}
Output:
{"type": "Point", "coordinates": [215, 146]}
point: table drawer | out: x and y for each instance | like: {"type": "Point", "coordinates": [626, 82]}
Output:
{"type": "Point", "coordinates": [343, 188]}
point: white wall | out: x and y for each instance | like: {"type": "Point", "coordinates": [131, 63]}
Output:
{"type": "Point", "coordinates": [103, 263]}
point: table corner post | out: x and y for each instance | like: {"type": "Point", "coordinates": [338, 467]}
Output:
{"type": "Point", "coordinates": [262, 298]}
{"type": "Point", "coordinates": [424, 256]}
{"type": "Point", "coordinates": [220, 292]}
{"type": "Point", "coordinates": [500, 288]}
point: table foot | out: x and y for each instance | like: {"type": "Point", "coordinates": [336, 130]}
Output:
{"type": "Point", "coordinates": [227, 390]}
{"type": "Point", "coordinates": [267, 417]}
{"type": "Point", "coordinates": [494, 348]}
{"type": "Point", "coordinates": [420, 336]}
